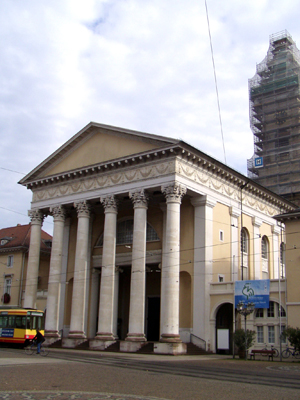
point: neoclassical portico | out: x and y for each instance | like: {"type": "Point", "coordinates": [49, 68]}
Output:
{"type": "Point", "coordinates": [104, 288]}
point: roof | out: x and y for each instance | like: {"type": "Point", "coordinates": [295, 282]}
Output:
{"type": "Point", "coordinates": [18, 237]}
{"type": "Point", "coordinates": [294, 214]}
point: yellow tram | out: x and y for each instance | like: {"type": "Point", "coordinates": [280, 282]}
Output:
{"type": "Point", "coordinates": [19, 325]}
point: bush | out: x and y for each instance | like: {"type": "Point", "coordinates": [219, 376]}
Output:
{"type": "Point", "coordinates": [239, 339]}
{"type": "Point", "coordinates": [293, 336]}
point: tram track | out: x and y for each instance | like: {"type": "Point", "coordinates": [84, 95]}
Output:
{"type": "Point", "coordinates": [284, 378]}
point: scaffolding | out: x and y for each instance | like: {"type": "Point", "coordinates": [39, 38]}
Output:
{"type": "Point", "coordinates": [274, 94]}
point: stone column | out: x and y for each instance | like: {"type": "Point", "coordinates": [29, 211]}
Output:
{"type": "Point", "coordinates": [106, 307]}
{"type": "Point", "coordinates": [171, 272]}
{"type": "Point", "coordinates": [79, 286]}
{"type": "Point", "coordinates": [54, 282]}
{"type": "Point", "coordinates": [203, 266]}
{"type": "Point", "coordinates": [257, 270]}
{"type": "Point", "coordinates": [37, 218]}
{"type": "Point", "coordinates": [138, 271]}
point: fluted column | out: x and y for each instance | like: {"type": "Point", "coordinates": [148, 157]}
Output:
{"type": "Point", "coordinates": [37, 218]}
{"type": "Point", "coordinates": [54, 283]}
{"type": "Point", "coordinates": [171, 268]}
{"type": "Point", "coordinates": [79, 284]}
{"type": "Point", "coordinates": [138, 268]}
{"type": "Point", "coordinates": [106, 307]}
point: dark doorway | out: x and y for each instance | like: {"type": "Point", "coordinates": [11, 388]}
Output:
{"type": "Point", "coordinates": [153, 315]}
{"type": "Point", "coordinates": [224, 324]}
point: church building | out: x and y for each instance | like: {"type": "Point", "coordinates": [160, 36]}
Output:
{"type": "Point", "coordinates": [150, 235]}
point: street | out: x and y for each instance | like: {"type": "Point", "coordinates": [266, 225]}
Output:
{"type": "Point", "coordinates": [73, 374]}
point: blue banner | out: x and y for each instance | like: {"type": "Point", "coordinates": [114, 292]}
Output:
{"type": "Point", "coordinates": [6, 332]}
{"type": "Point", "coordinates": [257, 292]}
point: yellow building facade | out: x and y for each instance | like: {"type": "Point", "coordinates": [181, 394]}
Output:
{"type": "Point", "coordinates": [150, 235]}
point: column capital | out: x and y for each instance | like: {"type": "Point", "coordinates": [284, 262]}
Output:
{"type": "Point", "coordinates": [257, 222]}
{"type": "Point", "coordinates": [110, 203]}
{"type": "Point", "coordinates": [139, 198]}
{"type": "Point", "coordinates": [234, 212]}
{"type": "Point", "coordinates": [276, 229]}
{"type": "Point", "coordinates": [36, 216]}
{"type": "Point", "coordinates": [174, 192]}
{"type": "Point", "coordinates": [83, 209]}
{"type": "Point", "coordinates": [58, 212]}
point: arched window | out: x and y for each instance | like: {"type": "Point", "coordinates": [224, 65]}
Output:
{"type": "Point", "coordinates": [282, 257]}
{"type": "Point", "coordinates": [125, 233]}
{"type": "Point", "coordinates": [265, 257]}
{"type": "Point", "coordinates": [244, 253]}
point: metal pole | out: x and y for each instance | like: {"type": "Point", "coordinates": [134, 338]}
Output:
{"type": "Point", "coordinates": [246, 337]}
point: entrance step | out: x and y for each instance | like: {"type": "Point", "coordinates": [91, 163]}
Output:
{"type": "Point", "coordinates": [147, 349]}
{"type": "Point", "coordinates": [193, 350]}
{"type": "Point", "coordinates": [56, 344]}
{"type": "Point", "coordinates": [115, 347]}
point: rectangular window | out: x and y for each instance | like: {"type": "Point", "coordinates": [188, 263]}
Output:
{"type": "Point", "coordinates": [282, 338]}
{"type": "Point", "coordinates": [260, 334]}
{"type": "Point", "coordinates": [221, 235]}
{"type": "Point", "coordinates": [271, 334]}
{"type": "Point", "coordinates": [221, 278]}
{"type": "Point", "coordinates": [7, 285]}
{"type": "Point", "coordinates": [271, 311]}
{"type": "Point", "coordinates": [10, 261]}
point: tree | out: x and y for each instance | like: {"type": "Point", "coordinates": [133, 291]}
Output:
{"type": "Point", "coordinates": [293, 336]}
{"type": "Point", "coordinates": [239, 339]}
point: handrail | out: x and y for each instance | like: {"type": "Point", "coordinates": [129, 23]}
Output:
{"type": "Point", "coordinates": [201, 342]}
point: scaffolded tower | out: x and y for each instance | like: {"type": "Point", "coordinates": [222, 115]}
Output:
{"type": "Point", "coordinates": [274, 94]}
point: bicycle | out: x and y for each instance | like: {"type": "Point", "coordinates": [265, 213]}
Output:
{"type": "Point", "coordinates": [276, 352]}
{"type": "Point", "coordinates": [290, 351]}
{"type": "Point", "coordinates": [32, 349]}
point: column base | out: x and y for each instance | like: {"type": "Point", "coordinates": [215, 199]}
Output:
{"type": "Point", "coordinates": [131, 346]}
{"type": "Point", "coordinates": [71, 343]}
{"type": "Point", "coordinates": [51, 337]}
{"type": "Point", "coordinates": [170, 338]}
{"type": "Point", "coordinates": [100, 344]}
{"type": "Point", "coordinates": [136, 337]}
{"type": "Point", "coordinates": [170, 348]}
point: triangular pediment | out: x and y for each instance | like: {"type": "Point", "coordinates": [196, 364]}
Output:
{"type": "Point", "coordinates": [94, 144]}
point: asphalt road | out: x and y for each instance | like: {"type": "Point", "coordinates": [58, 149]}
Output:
{"type": "Point", "coordinates": [67, 374]}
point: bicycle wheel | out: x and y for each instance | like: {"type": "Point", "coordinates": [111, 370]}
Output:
{"type": "Point", "coordinates": [286, 353]}
{"type": "Point", "coordinates": [276, 354]}
{"type": "Point", "coordinates": [44, 351]}
{"type": "Point", "coordinates": [29, 350]}
{"type": "Point", "coordinates": [297, 354]}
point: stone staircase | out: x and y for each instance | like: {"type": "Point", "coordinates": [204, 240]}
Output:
{"type": "Point", "coordinates": [192, 349]}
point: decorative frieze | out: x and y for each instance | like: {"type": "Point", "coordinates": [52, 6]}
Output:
{"type": "Point", "coordinates": [221, 183]}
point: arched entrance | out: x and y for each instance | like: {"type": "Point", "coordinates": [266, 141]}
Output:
{"type": "Point", "coordinates": [224, 329]}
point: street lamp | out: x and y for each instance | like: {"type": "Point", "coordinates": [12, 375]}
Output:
{"type": "Point", "coordinates": [245, 309]}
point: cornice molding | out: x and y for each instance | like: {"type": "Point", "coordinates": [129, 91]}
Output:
{"type": "Point", "coordinates": [172, 160]}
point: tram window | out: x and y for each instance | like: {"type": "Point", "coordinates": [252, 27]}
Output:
{"type": "Point", "coordinates": [20, 322]}
{"type": "Point", "coordinates": [28, 322]}
{"type": "Point", "coordinates": [3, 321]}
{"type": "Point", "coordinates": [11, 321]}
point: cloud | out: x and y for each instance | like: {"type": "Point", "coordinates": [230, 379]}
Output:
{"type": "Point", "coordinates": [143, 65]}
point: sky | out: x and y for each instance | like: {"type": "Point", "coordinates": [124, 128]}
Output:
{"type": "Point", "coordinates": [144, 65]}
